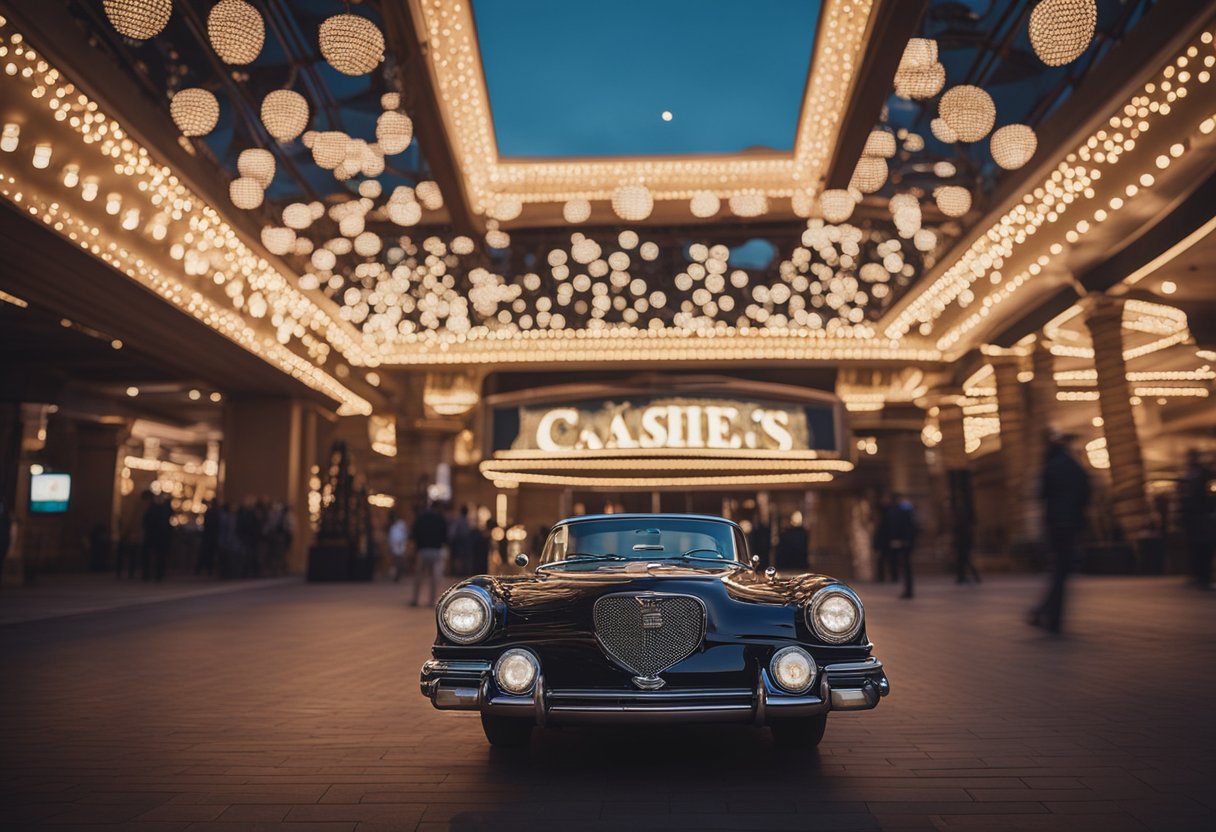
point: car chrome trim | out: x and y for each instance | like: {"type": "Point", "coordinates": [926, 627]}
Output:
{"type": "Point", "coordinates": [469, 686]}
{"type": "Point", "coordinates": [483, 597]}
{"type": "Point", "coordinates": [821, 595]}
{"type": "Point", "coordinates": [617, 660]}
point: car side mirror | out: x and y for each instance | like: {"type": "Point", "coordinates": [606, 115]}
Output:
{"type": "Point", "coordinates": [755, 561]}
{"type": "Point", "coordinates": [521, 560]}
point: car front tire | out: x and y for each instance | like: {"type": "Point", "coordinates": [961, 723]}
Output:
{"type": "Point", "coordinates": [505, 732]}
{"type": "Point", "coordinates": [803, 733]}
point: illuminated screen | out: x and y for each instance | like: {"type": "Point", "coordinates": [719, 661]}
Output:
{"type": "Point", "coordinates": [49, 493]}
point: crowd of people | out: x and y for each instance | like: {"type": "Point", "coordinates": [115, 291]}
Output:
{"type": "Point", "coordinates": [248, 540]}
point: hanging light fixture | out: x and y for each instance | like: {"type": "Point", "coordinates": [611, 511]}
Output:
{"type": "Point", "coordinates": [969, 112]}
{"type": "Point", "coordinates": [351, 44]}
{"type": "Point", "coordinates": [323, 259]}
{"type": "Point", "coordinates": [329, 148]}
{"type": "Point", "coordinates": [195, 111]}
{"type": "Point", "coordinates": [297, 215]}
{"type": "Point", "coordinates": [370, 188]}
{"type": "Point", "coordinates": [836, 205]}
{"type": "Point", "coordinates": [394, 131]}
{"type": "Point", "coordinates": [632, 202]}
{"type": "Point", "coordinates": [919, 74]}
{"type": "Point", "coordinates": [285, 114]}
{"type": "Point", "coordinates": [138, 19]}
{"type": "Point", "coordinates": [429, 195]}
{"type": "Point", "coordinates": [802, 202]}
{"type": "Point", "coordinates": [870, 174]}
{"type": "Point", "coordinates": [924, 240]}
{"type": "Point", "coordinates": [278, 240]}
{"type": "Point", "coordinates": [748, 204]}
{"type": "Point", "coordinates": [944, 169]}
{"type": "Point", "coordinates": [879, 143]}
{"type": "Point", "coordinates": [257, 164]}
{"type": "Point", "coordinates": [1061, 30]}
{"type": "Point", "coordinates": [236, 31]}
{"type": "Point", "coordinates": [943, 132]}
{"type": "Point", "coordinates": [1013, 145]}
{"type": "Point", "coordinates": [246, 193]}
{"type": "Point", "coordinates": [576, 211]}
{"type": "Point", "coordinates": [953, 200]}
{"type": "Point", "coordinates": [704, 204]}
{"type": "Point", "coordinates": [367, 244]}
{"type": "Point", "coordinates": [506, 208]}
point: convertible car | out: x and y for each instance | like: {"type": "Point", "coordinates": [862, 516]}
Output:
{"type": "Point", "coordinates": [651, 618]}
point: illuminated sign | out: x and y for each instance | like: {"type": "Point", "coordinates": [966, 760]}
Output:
{"type": "Point", "coordinates": [665, 424]}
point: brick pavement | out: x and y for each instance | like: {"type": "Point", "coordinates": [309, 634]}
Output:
{"type": "Point", "coordinates": [297, 708]}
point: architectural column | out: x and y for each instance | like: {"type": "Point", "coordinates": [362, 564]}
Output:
{"type": "Point", "coordinates": [1104, 317]}
{"type": "Point", "coordinates": [1040, 406]}
{"type": "Point", "coordinates": [1011, 409]}
{"type": "Point", "coordinates": [953, 444]}
{"type": "Point", "coordinates": [267, 453]}
{"type": "Point", "coordinates": [95, 490]}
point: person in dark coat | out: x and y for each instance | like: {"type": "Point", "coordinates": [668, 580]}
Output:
{"type": "Point", "coordinates": [962, 526]}
{"type": "Point", "coordinates": [901, 529]}
{"type": "Point", "coordinates": [791, 548]}
{"type": "Point", "coordinates": [1065, 491]}
{"type": "Point", "coordinates": [430, 540]}
{"type": "Point", "coordinates": [760, 543]}
{"type": "Point", "coordinates": [1197, 510]}
{"type": "Point", "coordinates": [882, 543]}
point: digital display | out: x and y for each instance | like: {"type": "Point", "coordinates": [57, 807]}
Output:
{"type": "Point", "coordinates": [49, 493]}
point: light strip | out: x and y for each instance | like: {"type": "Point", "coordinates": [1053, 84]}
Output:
{"type": "Point", "coordinates": [657, 483]}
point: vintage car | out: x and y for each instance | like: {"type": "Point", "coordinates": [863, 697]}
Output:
{"type": "Point", "coordinates": [651, 618]}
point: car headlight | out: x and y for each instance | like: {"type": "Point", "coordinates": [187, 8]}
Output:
{"type": "Point", "coordinates": [835, 614]}
{"type": "Point", "coordinates": [465, 615]}
{"type": "Point", "coordinates": [516, 671]}
{"type": "Point", "coordinates": [793, 669]}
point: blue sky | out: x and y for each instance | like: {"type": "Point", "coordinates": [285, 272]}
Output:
{"type": "Point", "coordinates": [580, 78]}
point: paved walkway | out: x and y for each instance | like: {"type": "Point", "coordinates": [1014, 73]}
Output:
{"type": "Point", "coordinates": [57, 596]}
{"type": "Point", "coordinates": [297, 708]}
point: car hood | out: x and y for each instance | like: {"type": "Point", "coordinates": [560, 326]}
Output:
{"type": "Point", "coordinates": [536, 592]}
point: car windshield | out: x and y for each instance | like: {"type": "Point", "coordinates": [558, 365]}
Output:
{"type": "Point", "coordinates": [613, 541]}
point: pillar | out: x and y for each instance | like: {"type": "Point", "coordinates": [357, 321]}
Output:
{"type": "Point", "coordinates": [1040, 408]}
{"type": "Point", "coordinates": [1129, 505]}
{"type": "Point", "coordinates": [1011, 409]}
{"type": "Point", "coordinates": [267, 453]}
{"type": "Point", "coordinates": [95, 489]}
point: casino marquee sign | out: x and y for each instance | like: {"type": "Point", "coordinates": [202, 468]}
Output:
{"type": "Point", "coordinates": [694, 432]}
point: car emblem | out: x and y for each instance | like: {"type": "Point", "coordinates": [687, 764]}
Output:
{"type": "Point", "coordinates": [652, 614]}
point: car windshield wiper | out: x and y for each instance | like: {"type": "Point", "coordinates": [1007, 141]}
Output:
{"type": "Point", "coordinates": [575, 557]}
{"type": "Point", "coordinates": [691, 554]}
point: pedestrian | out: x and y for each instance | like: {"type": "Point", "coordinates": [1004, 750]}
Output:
{"type": "Point", "coordinates": [430, 538]}
{"type": "Point", "coordinates": [461, 543]}
{"type": "Point", "coordinates": [398, 538]}
{"type": "Point", "coordinates": [210, 540]}
{"type": "Point", "coordinates": [1065, 491]}
{"type": "Point", "coordinates": [1197, 510]}
{"type": "Point", "coordinates": [792, 544]}
{"type": "Point", "coordinates": [887, 564]}
{"type": "Point", "coordinates": [962, 526]}
{"type": "Point", "coordinates": [901, 528]}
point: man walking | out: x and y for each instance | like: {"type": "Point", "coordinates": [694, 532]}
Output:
{"type": "Point", "coordinates": [901, 528]}
{"type": "Point", "coordinates": [1065, 492]}
{"type": "Point", "coordinates": [1198, 514]}
{"type": "Point", "coordinates": [430, 537]}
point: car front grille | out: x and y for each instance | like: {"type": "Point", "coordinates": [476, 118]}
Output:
{"type": "Point", "coordinates": [646, 633]}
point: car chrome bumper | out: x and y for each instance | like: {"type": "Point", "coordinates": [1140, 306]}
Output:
{"type": "Point", "coordinates": [469, 686]}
